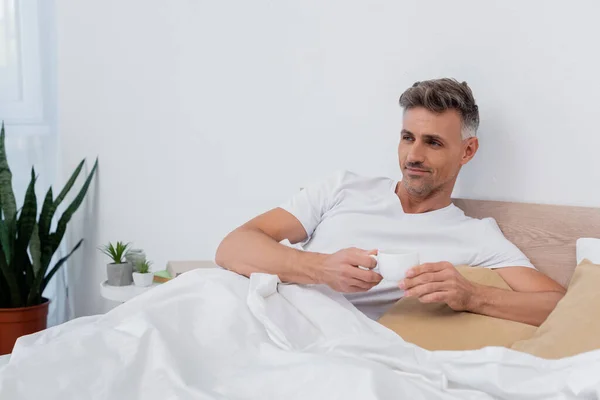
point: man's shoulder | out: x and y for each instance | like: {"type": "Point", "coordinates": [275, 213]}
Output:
{"type": "Point", "coordinates": [482, 229]}
{"type": "Point", "coordinates": [495, 249]}
{"type": "Point", "coordinates": [487, 221]}
{"type": "Point", "coordinates": [345, 177]}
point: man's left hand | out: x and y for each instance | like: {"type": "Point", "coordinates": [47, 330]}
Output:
{"type": "Point", "coordinates": [439, 283]}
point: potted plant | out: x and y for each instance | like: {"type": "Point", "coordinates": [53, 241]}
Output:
{"type": "Point", "coordinates": [143, 277]}
{"type": "Point", "coordinates": [119, 271]}
{"type": "Point", "coordinates": [27, 245]}
{"type": "Point", "coordinates": [134, 256]}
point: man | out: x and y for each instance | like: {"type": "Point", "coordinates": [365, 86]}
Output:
{"type": "Point", "coordinates": [344, 218]}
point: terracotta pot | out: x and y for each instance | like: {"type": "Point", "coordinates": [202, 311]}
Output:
{"type": "Point", "coordinates": [17, 322]}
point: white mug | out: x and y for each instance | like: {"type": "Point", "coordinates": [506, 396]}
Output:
{"type": "Point", "coordinates": [393, 264]}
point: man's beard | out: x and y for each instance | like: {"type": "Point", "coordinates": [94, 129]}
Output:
{"type": "Point", "coordinates": [426, 186]}
{"type": "Point", "coordinates": [422, 190]}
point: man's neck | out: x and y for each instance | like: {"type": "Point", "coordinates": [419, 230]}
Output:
{"type": "Point", "coordinates": [412, 204]}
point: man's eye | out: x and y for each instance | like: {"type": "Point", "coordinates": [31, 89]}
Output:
{"type": "Point", "coordinates": [406, 137]}
{"type": "Point", "coordinates": [435, 143]}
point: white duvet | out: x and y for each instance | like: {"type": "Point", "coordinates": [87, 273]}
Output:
{"type": "Point", "coordinates": [211, 334]}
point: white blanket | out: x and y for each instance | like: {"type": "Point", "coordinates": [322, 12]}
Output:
{"type": "Point", "coordinates": [212, 334]}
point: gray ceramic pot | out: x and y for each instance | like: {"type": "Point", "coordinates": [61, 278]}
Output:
{"type": "Point", "coordinates": [119, 274]}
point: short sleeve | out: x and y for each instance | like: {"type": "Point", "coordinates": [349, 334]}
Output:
{"type": "Point", "coordinates": [314, 200]}
{"type": "Point", "coordinates": [499, 252]}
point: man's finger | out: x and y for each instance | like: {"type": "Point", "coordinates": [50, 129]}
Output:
{"type": "Point", "coordinates": [425, 289]}
{"type": "Point", "coordinates": [427, 267]}
{"type": "Point", "coordinates": [364, 276]}
{"type": "Point", "coordinates": [435, 297]}
{"type": "Point", "coordinates": [361, 284]}
{"type": "Point", "coordinates": [421, 279]}
{"type": "Point", "coordinates": [363, 259]}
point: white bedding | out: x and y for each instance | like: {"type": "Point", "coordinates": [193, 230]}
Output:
{"type": "Point", "coordinates": [211, 334]}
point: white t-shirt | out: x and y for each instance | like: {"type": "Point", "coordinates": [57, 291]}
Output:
{"type": "Point", "coordinates": [348, 210]}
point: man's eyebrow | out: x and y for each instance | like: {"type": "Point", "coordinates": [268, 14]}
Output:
{"type": "Point", "coordinates": [435, 137]}
{"type": "Point", "coordinates": [428, 136]}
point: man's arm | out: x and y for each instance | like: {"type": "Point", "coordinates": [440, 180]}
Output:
{"type": "Point", "coordinates": [535, 295]}
{"type": "Point", "coordinates": [255, 247]}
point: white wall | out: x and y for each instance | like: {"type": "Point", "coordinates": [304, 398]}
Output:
{"type": "Point", "coordinates": [205, 113]}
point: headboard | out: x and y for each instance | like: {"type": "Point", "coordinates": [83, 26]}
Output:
{"type": "Point", "coordinates": [545, 233]}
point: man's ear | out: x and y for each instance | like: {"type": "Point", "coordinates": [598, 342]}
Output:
{"type": "Point", "coordinates": [470, 147]}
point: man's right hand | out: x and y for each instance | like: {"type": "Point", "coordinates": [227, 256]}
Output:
{"type": "Point", "coordinates": [340, 270]}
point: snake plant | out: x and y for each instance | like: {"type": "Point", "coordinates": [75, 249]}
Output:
{"type": "Point", "coordinates": [27, 242]}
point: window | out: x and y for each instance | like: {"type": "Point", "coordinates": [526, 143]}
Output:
{"type": "Point", "coordinates": [28, 108]}
{"type": "Point", "coordinates": [21, 90]}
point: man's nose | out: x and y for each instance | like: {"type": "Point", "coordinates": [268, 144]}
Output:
{"type": "Point", "coordinates": [416, 153]}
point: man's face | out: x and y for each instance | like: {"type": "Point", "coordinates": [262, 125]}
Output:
{"type": "Point", "coordinates": [431, 150]}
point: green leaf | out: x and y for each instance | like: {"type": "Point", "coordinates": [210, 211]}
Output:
{"type": "Point", "coordinates": [63, 193]}
{"type": "Point", "coordinates": [57, 236]}
{"type": "Point", "coordinates": [25, 276]}
{"type": "Point", "coordinates": [116, 253]}
{"type": "Point", "coordinates": [5, 301]}
{"type": "Point", "coordinates": [11, 281]}
{"type": "Point", "coordinates": [48, 277]}
{"type": "Point", "coordinates": [7, 196]}
{"type": "Point", "coordinates": [50, 242]}
{"type": "Point", "coordinates": [143, 266]}
{"type": "Point", "coordinates": [47, 214]}
{"type": "Point", "coordinates": [5, 240]}
{"type": "Point", "coordinates": [45, 222]}
{"type": "Point", "coordinates": [35, 250]}
{"type": "Point", "coordinates": [26, 221]}
{"type": "Point", "coordinates": [25, 226]}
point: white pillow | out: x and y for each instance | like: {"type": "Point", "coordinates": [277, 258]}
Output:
{"type": "Point", "coordinates": [588, 248]}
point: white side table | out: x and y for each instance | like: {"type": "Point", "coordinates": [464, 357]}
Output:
{"type": "Point", "coordinates": [122, 293]}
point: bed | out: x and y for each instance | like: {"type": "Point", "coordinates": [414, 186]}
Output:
{"type": "Point", "coordinates": [212, 334]}
{"type": "Point", "coordinates": [547, 234]}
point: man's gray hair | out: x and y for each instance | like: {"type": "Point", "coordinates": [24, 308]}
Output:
{"type": "Point", "coordinates": [439, 95]}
